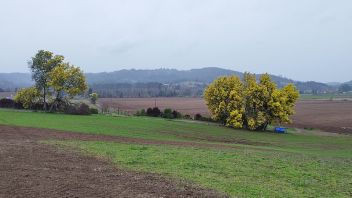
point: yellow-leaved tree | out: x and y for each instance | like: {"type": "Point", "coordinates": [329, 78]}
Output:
{"type": "Point", "coordinates": [27, 97]}
{"type": "Point", "coordinates": [66, 81]}
{"type": "Point", "coordinates": [250, 104]}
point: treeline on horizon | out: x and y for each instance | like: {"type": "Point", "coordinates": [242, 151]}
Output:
{"type": "Point", "coordinates": [162, 82]}
{"type": "Point", "coordinates": [151, 89]}
{"type": "Point", "coordinates": [179, 89]}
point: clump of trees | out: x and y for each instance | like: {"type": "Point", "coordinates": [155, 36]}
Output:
{"type": "Point", "coordinates": [153, 112]}
{"type": "Point", "coordinates": [56, 82]}
{"type": "Point", "coordinates": [249, 103]}
{"type": "Point", "coordinates": [156, 112]}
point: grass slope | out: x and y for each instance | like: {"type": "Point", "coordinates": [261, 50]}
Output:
{"type": "Point", "coordinates": [161, 129]}
{"type": "Point", "coordinates": [273, 165]}
{"type": "Point", "coordinates": [237, 172]}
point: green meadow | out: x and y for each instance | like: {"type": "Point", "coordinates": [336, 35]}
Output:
{"type": "Point", "coordinates": [253, 164]}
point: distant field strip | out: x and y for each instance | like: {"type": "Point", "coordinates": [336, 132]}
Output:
{"type": "Point", "coordinates": [332, 116]}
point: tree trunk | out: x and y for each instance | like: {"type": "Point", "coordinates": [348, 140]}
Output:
{"type": "Point", "coordinates": [55, 102]}
{"type": "Point", "coordinates": [266, 126]}
{"type": "Point", "coordinates": [52, 106]}
{"type": "Point", "coordinates": [44, 96]}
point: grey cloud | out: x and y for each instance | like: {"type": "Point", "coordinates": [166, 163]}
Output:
{"type": "Point", "coordinates": [294, 38]}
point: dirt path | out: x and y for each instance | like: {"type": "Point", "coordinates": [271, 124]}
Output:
{"type": "Point", "coordinates": [30, 169]}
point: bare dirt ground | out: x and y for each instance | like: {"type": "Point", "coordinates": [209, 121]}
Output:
{"type": "Point", "coordinates": [6, 94]}
{"type": "Point", "coordinates": [331, 116]}
{"type": "Point", "coordinates": [189, 106]}
{"type": "Point", "coordinates": [31, 169]}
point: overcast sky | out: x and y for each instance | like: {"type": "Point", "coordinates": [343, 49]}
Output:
{"type": "Point", "coordinates": [299, 39]}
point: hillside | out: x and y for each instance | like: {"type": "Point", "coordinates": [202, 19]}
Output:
{"type": "Point", "coordinates": [158, 78]}
{"type": "Point", "coordinates": [15, 80]}
{"type": "Point", "coordinates": [349, 83]}
{"type": "Point", "coordinates": [205, 75]}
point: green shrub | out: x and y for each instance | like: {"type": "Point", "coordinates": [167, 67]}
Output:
{"type": "Point", "coordinates": [77, 109]}
{"type": "Point", "coordinates": [176, 114]}
{"type": "Point", "coordinates": [141, 112]}
{"type": "Point", "coordinates": [167, 114]}
{"type": "Point", "coordinates": [154, 112]}
{"type": "Point", "coordinates": [9, 103]}
{"type": "Point", "coordinates": [93, 110]}
{"type": "Point", "coordinates": [198, 116]}
{"type": "Point", "coordinates": [188, 117]}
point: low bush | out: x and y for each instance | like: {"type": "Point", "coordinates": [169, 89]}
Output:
{"type": "Point", "coordinates": [154, 112]}
{"type": "Point", "coordinates": [93, 110]}
{"type": "Point", "coordinates": [188, 117]}
{"type": "Point", "coordinates": [176, 114]}
{"type": "Point", "coordinates": [38, 106]}
{"type": "Point", "coordinates": [141, 112]}
{"type": "Point", "coordinates": [9, 103]}
{"type": "Point", "coordinates": [167, 114]}
{"type": "Point", "coordinates": [199, 117]}
{"type": "Point", "coordinates": [171, 114]}
{"type": "Point", "coordinates": [78, 109]}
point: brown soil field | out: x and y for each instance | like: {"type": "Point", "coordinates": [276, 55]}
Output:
{"type": "Point", "coordinates": [31, 169]}
{"type": "Point", "coordinates": [6, 94]}
{"type": "Point", "coordinates": [331, 116]}
{"type": "Point", "coordinates": [189, 106]}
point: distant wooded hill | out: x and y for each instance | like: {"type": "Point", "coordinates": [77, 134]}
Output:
{"type": "Point", "coordinates": [158, 82]}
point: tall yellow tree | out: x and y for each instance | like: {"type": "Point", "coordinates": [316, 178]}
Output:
{"type": "Point", "coordinates": [225, 100]}
{"type": "Point", "coordinates": [66, 81]}
{"type": "Point", "coordinates": [248, 103]}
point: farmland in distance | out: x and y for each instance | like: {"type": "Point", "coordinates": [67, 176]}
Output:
{"type": "Point", "coordinates": [326, 115]}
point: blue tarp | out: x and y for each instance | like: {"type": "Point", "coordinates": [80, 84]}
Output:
{"type": "Point", "coordinates": [280, 130]}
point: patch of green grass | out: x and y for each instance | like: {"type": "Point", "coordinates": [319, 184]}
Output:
{"type": "Point", "coordinates": [161, 129]}
{"type": "Point", "coordinates": [263, 164]}
{"type": "Point", "coordinates": [242, 172]}
{"type": "Point", "coordinates": [327, 96]}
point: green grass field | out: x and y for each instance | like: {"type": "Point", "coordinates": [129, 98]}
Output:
{"type": "Point", "coordinates": [328, 96]}
{"type": "Point", "coordinates": [262, 164]}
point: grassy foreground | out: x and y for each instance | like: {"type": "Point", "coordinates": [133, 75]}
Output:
{"type": "Point", "coordinates": [272, 165]}
{"type": "Point", "coordinates": [174, 130]}
{"type": "Point", "coordinates": [237, 172]}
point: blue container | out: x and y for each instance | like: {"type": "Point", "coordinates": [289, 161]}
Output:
{"type": "Point", "coordinates": [280, 130]}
